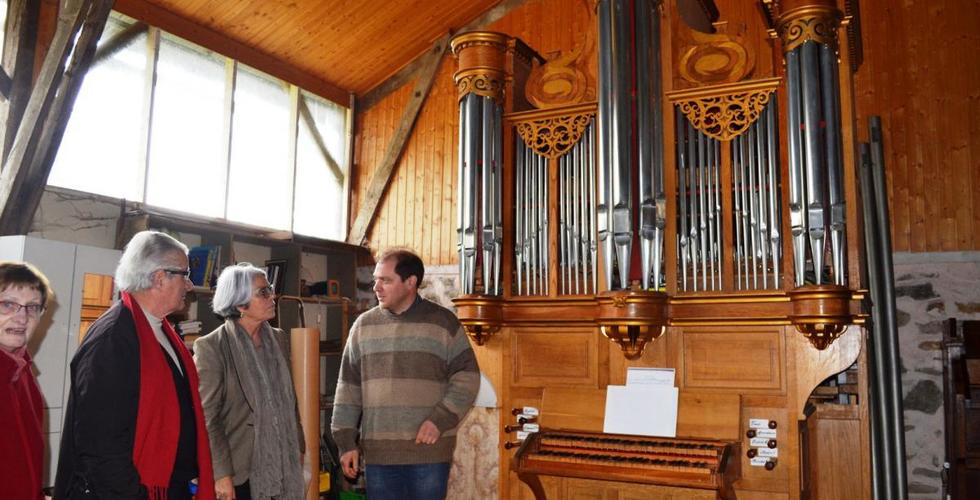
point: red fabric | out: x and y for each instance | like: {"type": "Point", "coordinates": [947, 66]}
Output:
{"type": "Point", "coordinates": [21, 438]}
{"type": "Point", "coordinates": [158, 419]}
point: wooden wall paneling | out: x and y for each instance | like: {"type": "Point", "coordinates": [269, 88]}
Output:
{"type": "Point", "coordinates": [941, 149]}
{"type": "Point", "coordinates": [917, 72]}
{"type": "Point", "coordinates": [571, 354]}
{"type": "Point", "coordinates": [714, 358]}
{"type": "Point", "coordinates": [971, 39]}
{"type": "Point", "coordinates": [957, 117]}
{"type": "Point", "coordinates": [447, 247]}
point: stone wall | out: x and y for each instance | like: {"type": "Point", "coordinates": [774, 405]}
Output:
{"type": "Point", "coordinates": [929, 289]}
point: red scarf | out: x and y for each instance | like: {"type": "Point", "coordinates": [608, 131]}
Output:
{"type": "Point", "coordinates": [158, 418]}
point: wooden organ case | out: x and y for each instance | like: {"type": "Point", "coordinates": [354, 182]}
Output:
{"type": "Point", "coordinates": [671, 204]}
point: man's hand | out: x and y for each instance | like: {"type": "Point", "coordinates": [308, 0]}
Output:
{"type": "Point", "coordinates": [349, 461]}
{"type": "Point", "coordinates": [224, 489]}
{"type": "Point", "coordinates": [428, 433]}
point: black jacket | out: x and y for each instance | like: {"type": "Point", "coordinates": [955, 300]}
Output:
{"type": "Point", "coordinates": [100, 419]}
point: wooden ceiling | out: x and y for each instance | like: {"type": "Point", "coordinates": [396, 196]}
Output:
{"type": "Point", "coordinates": [351, 45]}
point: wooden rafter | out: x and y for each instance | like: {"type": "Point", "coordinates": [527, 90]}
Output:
{"type": "Point", "coordinates": [411, 69]}
{"type": "Point", "coordinates": [382, 176]}
{"type": "Point", "coordinates": [304, 112]}
{"type": "Point", "coordinates": [39, 133]}
{"type": "Point", "coordinates": [119, 41]}
{"type": "Point", "coordinates": [20, 37]}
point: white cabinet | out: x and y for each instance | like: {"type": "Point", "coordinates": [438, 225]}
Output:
{"type": "Point", "coordinates": [56, 339]}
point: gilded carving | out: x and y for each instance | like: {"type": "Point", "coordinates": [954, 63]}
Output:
{"type": "Point", "coordinates": [484, 84]}
{"type": "Point", "coordinates": [564, 79]}
{"type": "Point", "coordinates": [716, 58]}
{"type": "Point", "coordinates": [725, 111]}
{"type": "Point", "coordinates": [481, 57]}
{"type": "Point", "coordinates": [554, 136]}
{"type": "Point", "coordinates": [817, 23]}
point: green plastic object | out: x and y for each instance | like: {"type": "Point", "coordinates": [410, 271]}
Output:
{"type": "Point", "coordinates": [350, 495]}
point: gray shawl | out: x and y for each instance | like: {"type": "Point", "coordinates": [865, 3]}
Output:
{"type": "Point", "coordinates": [276, 468]}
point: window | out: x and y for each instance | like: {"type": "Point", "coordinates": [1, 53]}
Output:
{"type": "Point", "coordinates": [187, 167]}
{"type": "Point", "coordinates": [261, 183]}
{"type": "Point", "coordinates": [102, 146]}
{"type": "Point", "coordinates": [177, 126]}
{"type": "Point", "coordinates": [320, 150]}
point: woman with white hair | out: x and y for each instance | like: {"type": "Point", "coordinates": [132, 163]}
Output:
{"type": "Point", "coordinates": [247, 393]}
{"type": "Point", "coordinates": [134, 427]}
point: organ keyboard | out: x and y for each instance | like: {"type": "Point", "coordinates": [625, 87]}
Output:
{"type": "Point", "coordinates": [687, 463]}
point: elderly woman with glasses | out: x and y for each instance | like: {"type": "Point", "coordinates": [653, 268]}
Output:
{"type": "Point", "coordinates": [24, 291]}
{"type": "Point", "coordinates": [247, 392]}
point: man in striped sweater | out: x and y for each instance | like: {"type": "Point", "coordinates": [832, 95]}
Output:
{"type": "Point", "coordinates": [407, 378]}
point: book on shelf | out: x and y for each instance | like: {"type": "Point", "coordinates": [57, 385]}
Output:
{"type": "Point", "coordinates": [205, 263]}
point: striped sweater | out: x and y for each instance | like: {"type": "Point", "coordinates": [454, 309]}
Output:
{"type": "Point", "coordinates": [397, 372]}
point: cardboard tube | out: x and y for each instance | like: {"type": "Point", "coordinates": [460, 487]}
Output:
{"type": "Point", "coordinates": [304, 345]}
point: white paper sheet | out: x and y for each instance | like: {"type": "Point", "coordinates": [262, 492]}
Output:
{"type": "Point", "coordinates": [645, 410]}
{"type": "Point", "coordinates": [650, 376]}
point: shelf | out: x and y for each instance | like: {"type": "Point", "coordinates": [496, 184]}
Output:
{"type": "Point", "coordinates": [331, 347]}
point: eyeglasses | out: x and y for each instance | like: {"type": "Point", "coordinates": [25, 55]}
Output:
{"type": "Point", "coordinates": [10, 308]}
{"type": "Point", "coordinates": [178, 272]}
{"type": "Point", "coordinates": [266, 292]}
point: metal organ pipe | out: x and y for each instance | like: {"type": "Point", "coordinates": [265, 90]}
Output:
{"type": "Point", "coordinates": [619, 61]}
{"type": "Point", "coordinates": [479, 82]}
{"type": "Point", "coordinates": [809, 38]}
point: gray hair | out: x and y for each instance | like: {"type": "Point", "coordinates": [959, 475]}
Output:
{"type": "Point", "coordinates": [145, 254]}
{"type": "Point", "coordinates": [234, 289]}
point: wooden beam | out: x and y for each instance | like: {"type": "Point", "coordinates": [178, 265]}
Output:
{"type": "Point", "coordinates": [380, 178]}
{"type": "Point", "coordinates": [304, 111]}
{"type": "Point", "coordinates": [410, 70]}
{"type": "Point", "coordinates": [5, 83]}
{"type": "Point", "coordinates": [119, 41]}
{"type": "Point", "coordinates": [25, 172]}
{"type": "Point", "coordinates": [154, 15]}
{"type": "Point", "coordinates": [20, 39]}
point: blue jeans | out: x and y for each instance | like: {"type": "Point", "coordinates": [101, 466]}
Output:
{"type": "Point", "coordinates": [407, 482]}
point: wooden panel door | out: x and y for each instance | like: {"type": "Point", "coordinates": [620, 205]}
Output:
{"type": "Point", "coordinates": [96, 299]}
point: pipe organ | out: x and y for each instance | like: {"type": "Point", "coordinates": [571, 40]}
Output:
{"type": "Point", "coordinates": [671, 205]}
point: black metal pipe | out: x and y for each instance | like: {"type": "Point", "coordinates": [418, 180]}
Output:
{"type": "Point", "coordinates": [880, 439]}
{"type": "Point", "coordinates": [889, 334]}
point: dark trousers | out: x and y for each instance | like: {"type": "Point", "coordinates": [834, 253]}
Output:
{"type": "Point", "coordinates": [243, 492]}
{"type": "Point", "coordinates": [407, 482]}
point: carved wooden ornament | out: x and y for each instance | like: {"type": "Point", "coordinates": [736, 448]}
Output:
{"type": "Point", "coordinates": [725, 111]}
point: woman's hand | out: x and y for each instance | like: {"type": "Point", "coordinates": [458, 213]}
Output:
{"type": "Point", "coordinates": [224, 489]}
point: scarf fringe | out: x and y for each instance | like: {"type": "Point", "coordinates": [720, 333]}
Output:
{"type": "Point", "coordinates": [156, 493]}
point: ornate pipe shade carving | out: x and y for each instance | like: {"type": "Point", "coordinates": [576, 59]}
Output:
{"type": "Point", "coordinates": [813, 22]}
{"type": "Point", "coordinates": [481, 316]}
{"type": "Point", "coordinates": [822, 313]}
{"type": "Point", "coordinates": [553, 134]}
{"type": "Point", "coordinates": [725, 111]}
{"type": "Point", "coordinates": [481, 66]}
{"type": "Point", "coordinates": [632, 318]}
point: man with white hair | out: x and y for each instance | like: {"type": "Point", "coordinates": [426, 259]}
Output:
{"type": "Point", "coordinates": [134, 427]}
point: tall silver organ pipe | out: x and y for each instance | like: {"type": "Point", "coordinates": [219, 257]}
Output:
{"type": "Point", "coordinates": [754, 215]}
{"type": "Point", "coordinates": [479, 193]}
{"type": "Point", "coordinates": [809, 36]}
{"type": "Point", "coordinates": [619, 61]}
